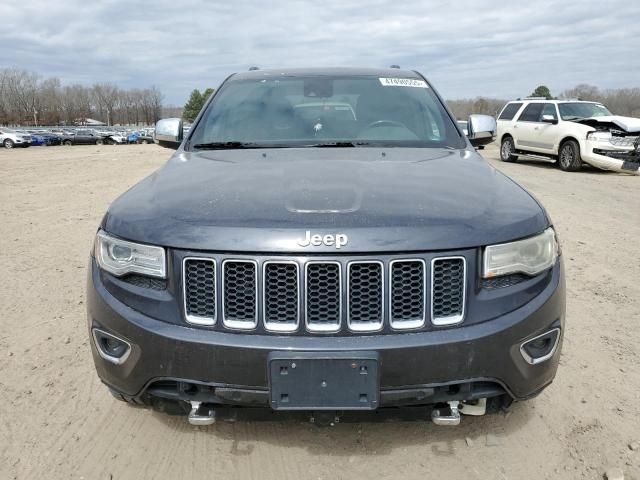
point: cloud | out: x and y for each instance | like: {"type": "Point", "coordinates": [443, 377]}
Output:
{"type": "Point", "coordinates": [466, 48]}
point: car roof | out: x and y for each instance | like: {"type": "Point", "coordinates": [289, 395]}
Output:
{"type": "Point", "coordinates": [329, 71]}
{"type": "Point", "coordinates": [542, 100]}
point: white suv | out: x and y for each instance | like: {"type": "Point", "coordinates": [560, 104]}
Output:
{"type": "Point", "coordinates": [10, 138]}
{"type": "Point", "coordinates": [570, 131]}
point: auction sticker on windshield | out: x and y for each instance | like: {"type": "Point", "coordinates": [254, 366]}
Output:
{"type": "Point", "coordinates": [403, 82]}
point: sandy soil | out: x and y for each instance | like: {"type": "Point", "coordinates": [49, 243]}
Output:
{"type": "Point", "coordinates": [58, 421]}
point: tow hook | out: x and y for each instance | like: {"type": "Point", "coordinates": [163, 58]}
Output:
{"type": "Point", "coordinates": [205, 417]}
{"type": "Point", "coordinates": [439, 415]}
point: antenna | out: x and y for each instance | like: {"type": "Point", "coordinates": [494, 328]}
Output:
{"type": "Point", "coordinates": [251, 69]}
{"type": "Point", "coordinates": [394, 66]}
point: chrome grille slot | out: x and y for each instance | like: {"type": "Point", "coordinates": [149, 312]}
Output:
{"type": "Point", "coordinates": [448, 279]}
{"type": "Point", "coordinates": [407, 294]}
{"type": "Point", "coordinates": [323, 284]}
{"type": "Point", "coordinates": [281, 296]}
{"type": "Point", "coordinates": [199, 285]}
{"type": "Point", "coordinates": [365, 300]}
{"type": "Point", "coordinates": [239, 299]}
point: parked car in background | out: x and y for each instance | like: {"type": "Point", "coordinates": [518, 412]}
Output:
{"type": "Point", "coordinates": [51, 139]}
{"type": "Point", "coordinates": [572, 132]}
{"type": "Point", "coordinates": [37, 140]}
{"type": "Point", "coordinates": [115, 138]}
{"type": "Point", "coordinates": [10, 138]}
{"type": "Point", "coordinates": [83, 137]}
{"type": "Point", "coordinates": [145, 138]}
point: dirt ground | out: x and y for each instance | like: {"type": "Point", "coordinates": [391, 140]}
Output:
{"type": "Point", "coordinates": [58, 421]}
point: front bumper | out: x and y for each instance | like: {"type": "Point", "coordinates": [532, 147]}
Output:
{"type": "Point", "coordinates": [603, 155]}
{"type": "Point", "coordinates": [237, 364]}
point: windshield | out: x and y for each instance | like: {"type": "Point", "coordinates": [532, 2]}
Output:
{"type": "Point", "coordinates": [317, 111]}
{"type": "Point", "coordinates": [576, 111]}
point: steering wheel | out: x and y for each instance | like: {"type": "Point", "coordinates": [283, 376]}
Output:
{"type": "Point", "coordinates": [385, 123]}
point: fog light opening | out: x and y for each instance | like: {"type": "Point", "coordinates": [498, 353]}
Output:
{"type": "Point", "coordinates": [540, 348]}
{"type": "Point", "coordinates": [110, 347]}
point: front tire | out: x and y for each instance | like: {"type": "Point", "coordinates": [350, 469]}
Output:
{"type": "Point", "coordinates": [506, 150]}
{"type": "Point", "coordinates": [569, 159]}
{"type": "Point", "coordinates": [8, 143]}
{"type": "Point", "coordinates": [99, 141]}
{"type": "Point", "coordinates": [67, 143]}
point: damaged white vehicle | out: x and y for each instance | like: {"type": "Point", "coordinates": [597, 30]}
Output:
{"type": "Point", "coordinates": [570, 131]}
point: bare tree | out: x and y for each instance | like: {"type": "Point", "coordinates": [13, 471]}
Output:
{"type": "Point", "coordinates": [151, 105]}
{"type": "Point", "coordinates": [621, 101]}
{"type": "Point", "coordinates": [106, 95]}
{"type": "Point", "coordinates": [22, 86]}
{"type": "Point", "coordinates": [582, 91]}
{"type": "Point", "coordinates": [465, 107]}
{"type": "Point", "coordinates": [4, 104]}
{"type": "Point", "coordinates": [50, 100]}
{"type": "Point", "coordinates": [25, 99]}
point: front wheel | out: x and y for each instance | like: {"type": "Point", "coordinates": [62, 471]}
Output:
{"type": "Point", "coordinates": [67, 143]}
{"type": "Point", "coordinates": [144, 142]}
{"type": "Point", "coordinates": [569, 159]}
{"type": "Point", "coordinates": [99, 141]}
{"type": "Point", "coordinates": [506, 150]}
{"type": "Point", "coordinates": [8, 143]}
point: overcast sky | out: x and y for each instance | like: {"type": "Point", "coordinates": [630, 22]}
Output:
{"type": "Point", "coordinates": [466, 48]}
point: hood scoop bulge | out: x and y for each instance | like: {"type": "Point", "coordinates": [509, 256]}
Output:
{"type": "Point", "coordinates": [323, 199]}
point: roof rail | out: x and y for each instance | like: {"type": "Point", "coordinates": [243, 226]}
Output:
{"type": "Point", "coordinates": [251, 69]}
{"type": "Point", "coordinates": [535, 98]}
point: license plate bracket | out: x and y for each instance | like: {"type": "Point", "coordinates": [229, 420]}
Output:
{"type": "Point", "coordinates": [324, 381]}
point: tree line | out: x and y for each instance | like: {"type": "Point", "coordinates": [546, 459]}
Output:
{"type": "Point", "coordinates": [26, 98]}
{"type": "Point", "coordinates": [620, 101]}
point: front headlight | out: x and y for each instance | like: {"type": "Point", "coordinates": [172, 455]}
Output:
{"type": "Point", "coordinates": [120, 257]}
{"type": "Point", "coordinates": [599, 136]}
{"type": "Point", "coordinates": [530, 256]}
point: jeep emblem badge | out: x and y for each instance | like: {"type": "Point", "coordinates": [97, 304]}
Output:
{"type": "Point", "coordinates": [339, 240]}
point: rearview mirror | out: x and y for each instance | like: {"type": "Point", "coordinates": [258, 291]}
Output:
{"type": "Point", "coordinates": [549, 119]}
{"type": "Point", "coordinates": [168, 132]}
{"type": "Point", "coordinates": [481, 129]}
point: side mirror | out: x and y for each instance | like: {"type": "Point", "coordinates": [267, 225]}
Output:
{"type": "Point", "coordinates": [481, 130]}
{"type": "Point", "coordinates": [549, 119]}
{"type": "Point", "coordinates": [168, 133]}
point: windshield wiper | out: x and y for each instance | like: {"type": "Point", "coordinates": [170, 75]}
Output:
{"type": "Point", "coordinates": [235, 145]}
{"type": "Point", "coordinates": [227, 145]}
{"type": "Point", "coordinates": [335, 145]}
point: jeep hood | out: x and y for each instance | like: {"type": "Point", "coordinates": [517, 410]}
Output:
{"type": "Point", "coordinates": [628, 124]}
{"type": "Point", "coordinates": [385, 200]}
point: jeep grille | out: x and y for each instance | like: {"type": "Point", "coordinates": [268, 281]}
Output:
{"type": "Point", "coordinates": [324, 296]}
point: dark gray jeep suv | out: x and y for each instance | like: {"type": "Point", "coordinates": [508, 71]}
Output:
{"type": "Point", "coordinates": [326, 240]}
